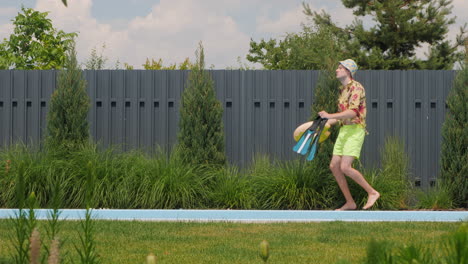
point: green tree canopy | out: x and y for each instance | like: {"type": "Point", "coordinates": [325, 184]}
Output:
{"type": "Point", "coordinates": [399, 28]}
{"type": "Point", "coordinates": [35, 43]}
{"type": "Point", "coordinates": [306, 50]}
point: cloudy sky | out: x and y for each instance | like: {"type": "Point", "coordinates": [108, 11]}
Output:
{"type": "Point", "coordinates": [133, 30]}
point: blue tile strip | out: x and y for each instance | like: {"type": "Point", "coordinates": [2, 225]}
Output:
{"type": "Point", "coordinates": [252, 215]}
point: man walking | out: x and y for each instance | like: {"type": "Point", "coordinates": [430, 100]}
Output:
{"type": "Point", "coordinates": [351, 116]}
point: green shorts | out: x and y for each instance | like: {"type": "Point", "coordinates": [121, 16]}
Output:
{"type": "Point", "coordinates": [349, 141]}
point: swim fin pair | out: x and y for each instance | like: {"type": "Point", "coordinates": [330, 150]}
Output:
{"type": "Point", "coordinates": [308, 142]}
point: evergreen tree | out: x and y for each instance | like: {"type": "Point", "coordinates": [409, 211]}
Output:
{"type": "Point", "coordinates": [201, 135]}
{"type": "Point", "coordinates": [67, 124]}
{"type": "Point", "coordinates": [454, 156]}
{"type": "Point", "coordinates": [401, 26]}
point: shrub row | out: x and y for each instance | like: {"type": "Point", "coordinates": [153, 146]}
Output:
{"type": "Point", "coordinates": [138, 180]}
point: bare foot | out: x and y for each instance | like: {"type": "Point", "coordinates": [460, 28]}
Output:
{"type": "Point", "coordinates": [371, 200]}
{"type": "Point", "coordinates": [347, 206]}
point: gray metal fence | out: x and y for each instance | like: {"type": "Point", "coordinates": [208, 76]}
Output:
{"type": "Point", "coordinates": [140, 109]}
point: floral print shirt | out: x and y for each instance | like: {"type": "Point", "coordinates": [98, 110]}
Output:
{"type": "Point", "coordinates": [353, 97]}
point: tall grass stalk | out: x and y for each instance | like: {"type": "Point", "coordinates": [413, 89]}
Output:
{"type": "Point", "coordinates": [20, 240]}
{"type": "Point", "coordinates": [25, 221]}
{"type": "Point", "coordinates": [87, 247]}
{"type": "Point", "coordinates": [23, 224]}
{"type": "Point", "coordinates": [52, 226]}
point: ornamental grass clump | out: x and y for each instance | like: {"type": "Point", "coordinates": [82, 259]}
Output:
{"type": "Point", "coordinates": [294, 185]}
{"type": "Point", "coordinates": [171, 183]}
{"type": "Point", "coordinates": [393, 180]}
{"type": "Point", "coordinates": [230, 189]}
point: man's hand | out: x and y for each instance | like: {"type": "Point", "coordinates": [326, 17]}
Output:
{"type": "Point", "coordinates": [324, 114]}
{"type": "Point", "coordinates": [331, 121]}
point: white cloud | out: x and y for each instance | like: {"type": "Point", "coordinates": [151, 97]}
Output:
{"type": "Point", "coordinates": [5, 31]}
{"type": "Point", "coordinates": [171, 31]}
{"type": "Point", "coordinates": [8, 12]}
{"type": "Point", "coordinates": [459, 10]}
{"type": "Point", "coordinates": [77, 18]}
{"type": "Point", "coordinates": [7, 28]}
{"type": "Point", "coordinates": [288, 21]}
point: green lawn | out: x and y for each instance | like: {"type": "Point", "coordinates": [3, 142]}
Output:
{"type": "Point", "coordinates": [179, 242]}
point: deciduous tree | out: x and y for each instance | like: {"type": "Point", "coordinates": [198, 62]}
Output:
{"type": "Point", "coordinates": [35, 43]}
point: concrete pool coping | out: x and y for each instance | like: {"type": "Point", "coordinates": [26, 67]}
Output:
{"type": "Point", "coordinates": [249, 216]}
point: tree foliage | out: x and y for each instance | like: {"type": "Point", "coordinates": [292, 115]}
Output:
{"type": "Point", "coordinates": [306, 50]}
{"type": "Point", "coordinates": [201, 135]}
{"type": "Point", "coordinates": [454, 153]}
{"type": "Point", "coordinates": [158, 65]}
{"type": "Point", "coordinates": [398, 29]}
{"type": "Point", "coordinates": [67, 124]}
{"type": "Point", "coordinates": [96, 61]}
{"type": "Point", "coordinates": [35, 43]}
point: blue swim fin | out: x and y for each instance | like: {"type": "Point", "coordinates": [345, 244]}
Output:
{"type": "Point", "coordinates": [315, 142]}
{"type": "Point", "coordinates": [303, 144]}
{"type": "Point", "coordinates": [313, 149]}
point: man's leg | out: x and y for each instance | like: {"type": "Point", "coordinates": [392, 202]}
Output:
{"type": "Point", "coordinates": [335, 167]}
{"type": "Point", "coordinates": [348, 170]}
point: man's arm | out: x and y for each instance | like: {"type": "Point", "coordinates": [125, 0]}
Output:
{"type": "Point", "coordinates": [332, 122]}
{"type": "Point", "coordinates": [333, 118]}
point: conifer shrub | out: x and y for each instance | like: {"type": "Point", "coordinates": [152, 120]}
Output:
{"type": "Point", "coordinates": [201, 135]}
{"type": "Point", "coordinates": [67, 124]}
{"type": "Point", "coordinates": [454, 149]}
